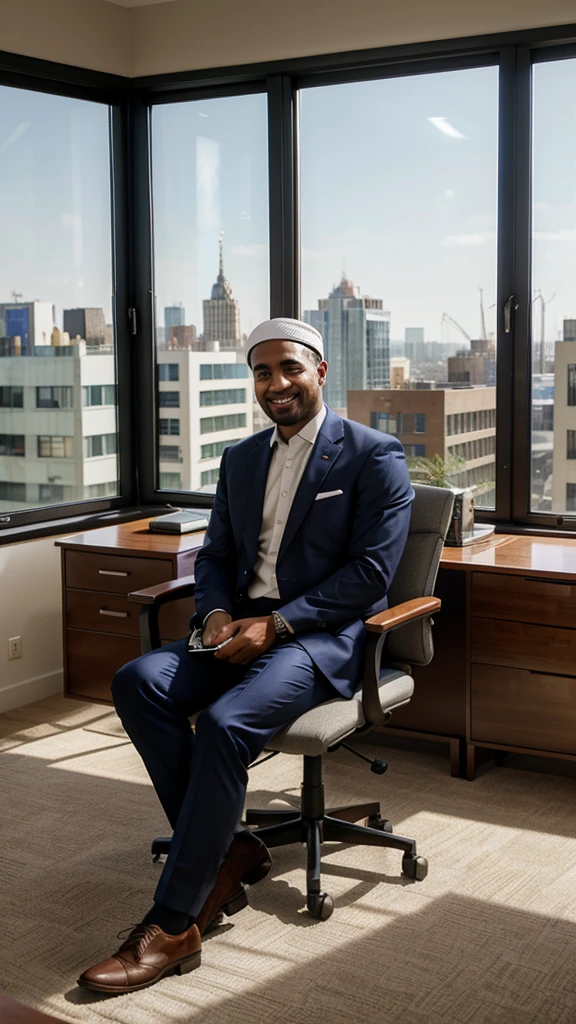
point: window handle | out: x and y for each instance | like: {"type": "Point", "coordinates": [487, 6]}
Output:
{"type": "Point", "coordinates": [510, 306]}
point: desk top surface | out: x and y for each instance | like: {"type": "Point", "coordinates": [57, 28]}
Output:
{"type": "Point", "coordinates": [539, 556]}
{"type": "Point", "coordinates": [508, 553]}
{"type": "Point", "coordinates": [133, 538]}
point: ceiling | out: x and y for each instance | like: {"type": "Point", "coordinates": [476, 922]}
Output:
{"type": "Point", "coordinates": [138, 3]}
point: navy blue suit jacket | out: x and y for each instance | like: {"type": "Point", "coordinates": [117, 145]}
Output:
{"type": "Point", "coordinates": [338, 555]}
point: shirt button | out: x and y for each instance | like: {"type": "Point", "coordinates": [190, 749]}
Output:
{"type": "Point", "coordinates": [280, 521]}
{"type": "Point", "coordinates": [289, 463]}
{"type": "Point", "coordinates": [284, 493]}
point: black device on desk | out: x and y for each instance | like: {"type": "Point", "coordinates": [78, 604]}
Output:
{"type": "Point", "coordinates": [181, 521]}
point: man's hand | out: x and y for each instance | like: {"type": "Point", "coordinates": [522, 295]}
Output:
{"type": "Point", "coordinates": [214, 624]}
{"type": "Point", "coordinates": [252, 637]}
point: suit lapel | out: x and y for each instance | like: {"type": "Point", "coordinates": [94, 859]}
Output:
{"type": "Point", "coordinates": [325, 453]}
{"type": "Point", "coordinates": [258, 466]}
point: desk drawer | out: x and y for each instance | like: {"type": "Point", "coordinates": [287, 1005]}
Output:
{"type": "Point", "coordinates": [523, 709]}
{"type": "Point", "coordinates": [523, 599]}
{"type": "Point", "coordinates": [106, 613]}
{"type": "Point", "coordinates": [92, 662]}
{"type": "Point", "coordinates": [519, 645]}
{"type": "Point", "coordinates": [115, 574]}
{"type": "Point", "coordinates": [113, 613]}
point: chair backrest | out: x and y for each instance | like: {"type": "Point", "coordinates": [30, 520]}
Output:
{"type": "Point", "coordinates": [416, 574]}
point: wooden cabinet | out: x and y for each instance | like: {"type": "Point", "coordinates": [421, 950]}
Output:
{"type": "Point", "coordinates": [521, 627]}
{"type": "Point", "coordinates": [101, 629]}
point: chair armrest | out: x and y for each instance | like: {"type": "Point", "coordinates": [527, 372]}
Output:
{"type": "Point", "coordinates": [377, 627]}
{"type": "Point", "coordinates": [172, 590]}
{"type": "Point", "coordinates": [151, 600]}
{"type": "Point", "coordinates": [393, 618]}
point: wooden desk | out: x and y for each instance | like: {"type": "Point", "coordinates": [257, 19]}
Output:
{"type": "Point", "coordinates": [503, 676]}
{"type": "Point", "coordinates": [99, 569]}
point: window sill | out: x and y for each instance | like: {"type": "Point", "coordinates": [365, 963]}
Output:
{"type": "Point", "coordinates": [77, 524]}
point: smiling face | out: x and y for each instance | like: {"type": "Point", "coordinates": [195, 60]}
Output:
{"type": "Point", "coordinates": [288, 381]}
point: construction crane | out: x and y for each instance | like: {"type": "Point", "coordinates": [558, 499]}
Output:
{"type": "Point", "coordinates": [543, 304]}
{"type": "Point", "coordinates": [483, 333]}
{"type": "Point", "coordinates": [449, 321]}
{"type": "Point", "coordinates": [17, 296]}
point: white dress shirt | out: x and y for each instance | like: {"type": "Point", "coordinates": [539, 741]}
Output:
{"type": "Point", "coordinates": [285, 473]}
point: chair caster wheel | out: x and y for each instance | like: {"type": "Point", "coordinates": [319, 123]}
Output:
{"type": "Point", "coordinates": [382, 824]}
{"type": "Point", "coordinates": [160, 849]}
{"type": "Point", "coordinates": [414, 867]}
{"type": "Point", "coordinates": [379, 767]}
{"type": "Point", "coordinates": [320, 905]}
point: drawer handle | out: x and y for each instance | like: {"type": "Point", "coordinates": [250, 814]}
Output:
{"type": "Point", "coordinates": [111, 572]}
{"type": "Point", "coordinates": [116, 615]}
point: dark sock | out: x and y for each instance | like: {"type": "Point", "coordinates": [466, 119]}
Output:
{"type": "Point", "coordinates": [173, 922]}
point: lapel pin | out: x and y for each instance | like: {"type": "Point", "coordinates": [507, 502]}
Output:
{"type": "Point", "coordinates": [325, 456]}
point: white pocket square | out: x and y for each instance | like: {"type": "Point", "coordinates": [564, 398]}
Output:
{"type": "Point", "coordinates": [327, 494]}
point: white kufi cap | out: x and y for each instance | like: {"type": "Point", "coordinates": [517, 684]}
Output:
{"type": "Point", "coordinates": [282, 328]}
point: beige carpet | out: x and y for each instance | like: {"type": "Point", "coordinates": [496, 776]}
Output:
{"type": "Point", "coordinates": [490, 935]}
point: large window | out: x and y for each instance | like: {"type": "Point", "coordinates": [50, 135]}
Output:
{"type": "Point", "coordinates": [418, 208]}
{"type": "Point", "coordinates": [225, 396]}
{"type": "Point", "coordinates": [56, 325]}
{"type": "Point", "coordinates": [553, 305]}
{"type": "Point", "coordinates": [210, 200]}
{"type": "Point", "coordinates": [398, 184]}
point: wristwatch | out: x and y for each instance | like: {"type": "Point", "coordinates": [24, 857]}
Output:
{"type": "Point", "coordinates": [282, 631]}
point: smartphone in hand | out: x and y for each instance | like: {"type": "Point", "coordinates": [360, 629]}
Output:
{"type": "Point", "coordinates": [196, 644]}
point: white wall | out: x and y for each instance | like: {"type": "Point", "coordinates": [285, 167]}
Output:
{"type": "Point", "coordinates": [191, 34]}
{"type": "Point", "coordinates": [87, 33]}
{"type": "Point", "coordinates": [30, 607]}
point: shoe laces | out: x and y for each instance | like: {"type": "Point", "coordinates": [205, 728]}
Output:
{"type": "Point", "coordinates": [136, 939]}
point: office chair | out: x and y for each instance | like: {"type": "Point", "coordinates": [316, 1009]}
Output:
{"type": "Point", "coordinates": [397, 638]}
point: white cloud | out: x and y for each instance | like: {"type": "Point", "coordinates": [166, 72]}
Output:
{"type": "Point", "coordinates": [564, 235]}
{"type": "Point", "coordinates": [448, 192]}
{"type": "Point", "coordinates": [443, 125]}
{"type": "Point", "coordinates": [469, 238]}
{"type": "Point", "coordinates": [22, 127]}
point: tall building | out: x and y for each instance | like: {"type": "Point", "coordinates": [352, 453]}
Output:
{"type": "Point", "coordinates": [174, 316]}
{"type": "Point", "coordinates": [31, 322]}
{"type": "Point", "coordinates": [356, 332]}
{"type": "Point", "coordinates": [205, 404]}
{"type": "Point", "coordinates": [221, 312]}
{"type": "Point", "coordinates": [89, 324]}
{"type": "Point", "coordinates": [180, 336]}
{"type": "Point", "coordinates": [476, 365]}
{"type": "Point", "coordinates": [542, 442]}
{"type": "Point", "coordinates": [58, 431]}
{"type": "Point", "coordinates": [414, 344]}
{"type": "Point", "coordinates": [459, 424]}
{"type": "Point", "coordinates": [564, 454]}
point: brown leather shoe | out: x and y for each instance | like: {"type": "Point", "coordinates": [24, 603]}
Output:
{"type": "Point", "coordinates": [146, 956]}
{"type": "Point", "coordinates": [248, 862]}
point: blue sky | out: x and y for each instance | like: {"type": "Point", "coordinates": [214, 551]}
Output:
{"type": "Point", "coordinates": [54, 200]}
{"type": "Point", "coordinates": [398, 186]}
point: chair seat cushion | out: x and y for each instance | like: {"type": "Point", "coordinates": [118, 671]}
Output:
{"type": "Point", "coordinates": [324, 726]}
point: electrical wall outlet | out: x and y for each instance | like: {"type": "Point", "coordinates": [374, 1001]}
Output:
{"type": "Point", "coordinates": [14, 647]}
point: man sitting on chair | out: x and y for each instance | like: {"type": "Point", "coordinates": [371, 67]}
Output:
{"type": "Point", "coordinates": [308, 526]}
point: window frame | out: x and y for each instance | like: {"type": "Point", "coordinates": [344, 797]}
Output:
{"type": "Point", "coordinates": [130, 102]}
{"type": "Point", "coordinates": [114, 92]}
